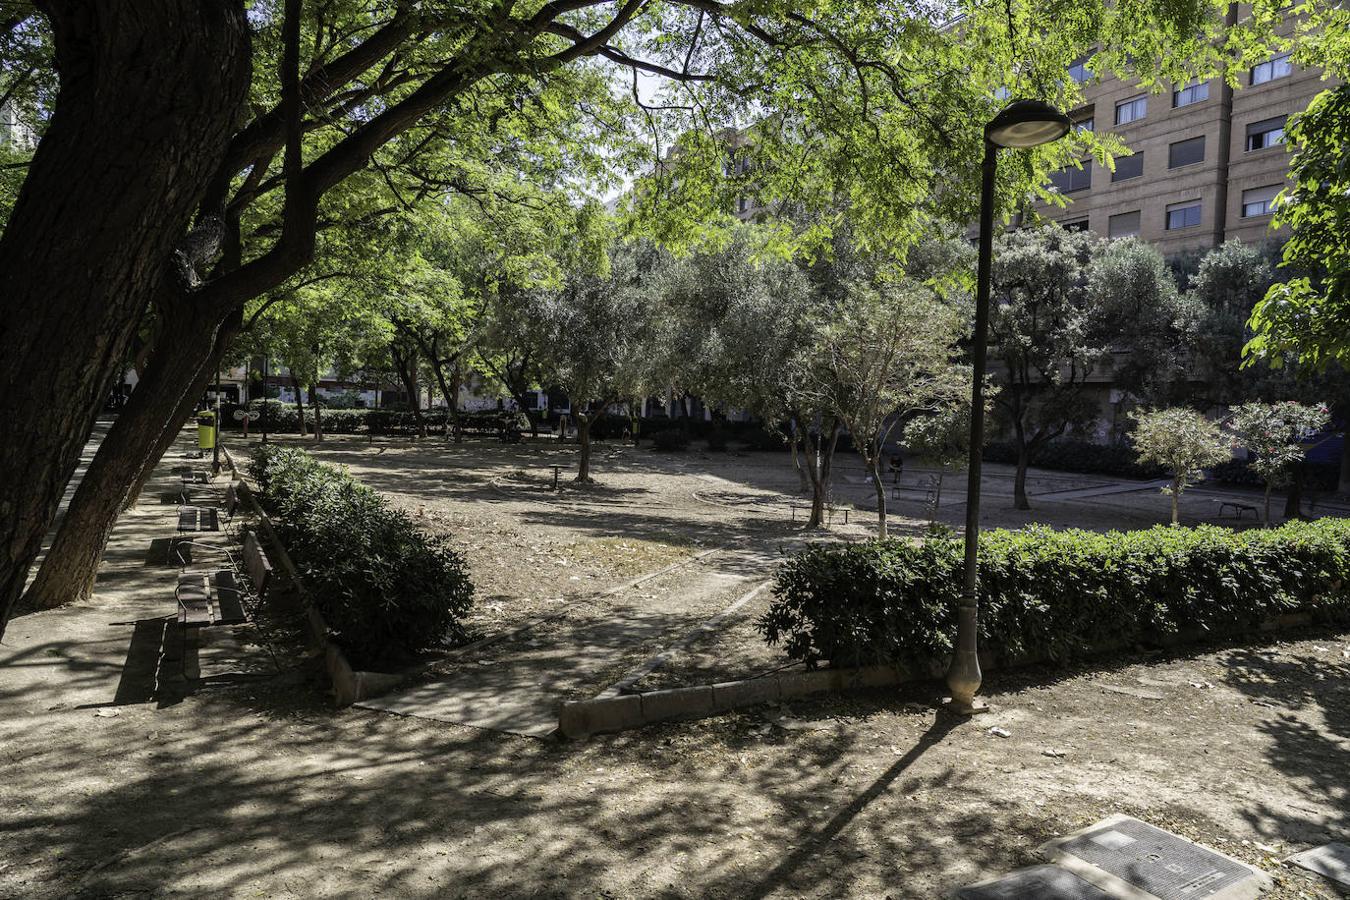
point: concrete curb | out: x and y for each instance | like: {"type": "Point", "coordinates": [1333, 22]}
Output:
{"type": "Point", "coordinates": [610, 712]}
{"type": "Point", "coordinates": [625, 711]}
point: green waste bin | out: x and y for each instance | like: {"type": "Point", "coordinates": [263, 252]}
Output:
{"type": "Point", "coordinates": [206, 430]}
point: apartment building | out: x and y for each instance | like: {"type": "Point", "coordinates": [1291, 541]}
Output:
{"type": "Point", "coordinates": [14, 133]}
{"type": "Point", "coordinates": [1206, 160]}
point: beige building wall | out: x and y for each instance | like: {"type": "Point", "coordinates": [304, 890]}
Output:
{"type": "Point", "coordinates": [1218, 182]}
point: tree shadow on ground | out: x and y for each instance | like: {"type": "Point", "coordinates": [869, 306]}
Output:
{"type": "Point", "coordinates": [1308, 697]}
{"type": "Point", "coordinates": [373, 805]}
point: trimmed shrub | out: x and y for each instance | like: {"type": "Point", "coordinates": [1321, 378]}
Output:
{"type": "Point", "coordinates": [1084, 457]}
{"type": "Point", "coordinates": [1054, 595]}
{"type": "Point", "coordinates": [669, 441]}
{"type": "Point", "coordinates": [386, 589]}
{"type": "Point", "coordinates": [761, 438]}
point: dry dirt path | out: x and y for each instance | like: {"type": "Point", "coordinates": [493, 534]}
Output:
{"type": "Point", "coordinates": [516, 684]}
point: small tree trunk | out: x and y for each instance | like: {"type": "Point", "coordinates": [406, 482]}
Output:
{"type": "Point", "coordinates": [1020, 479]}
{"type": "Point", "coordinates": [1176, 501]}
{"type": "Point", "coordinates": [188, 353]}
{"type": "Point", "coordinates": [584, 438]}
{"type": "Point", "coordinates": [318, 417]}
{"type": "Point", "coordinates": [937, 496]}
{"type": "Point", "coordinates": [804, 484]}
{"type": "Point", "coordinates": [875, 469]}
{"type": "Point", "coordinates": [299, 403]}
{"type": "Point", "coordinates": [1343, 481]}
{"type": "Point", "coordinates": [1267, 508]}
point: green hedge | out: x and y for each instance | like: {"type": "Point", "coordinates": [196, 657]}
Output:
{"type": "Point", "coordinates": [1054, 595]}
{"type": "Point", "coordinates": [386, 589]}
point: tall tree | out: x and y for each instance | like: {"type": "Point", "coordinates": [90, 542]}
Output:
{"type": "Point", "coordinates": [149, 162]}
{"type": "Point", "coordinates": [598, 338]}
{"type": "Point", "coordinates": [888, 357]}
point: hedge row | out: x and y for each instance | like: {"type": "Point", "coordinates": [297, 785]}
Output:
{"type": "Point", "coordinates": [283, 418]}
{"type": "Point", "coordinates": [386, 589]}
{"type": "Point", "coordinates": [1054, 595]}
{"type": "Point", "coordinates": [1121, 461]}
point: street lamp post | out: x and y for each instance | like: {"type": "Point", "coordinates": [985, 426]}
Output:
{"type": "Point", "coordinates": [1022, 123]}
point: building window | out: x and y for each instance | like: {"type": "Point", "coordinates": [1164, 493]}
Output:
{"type": "Point", "coordinates": [1186, 153]}
{"type": "Point", "coordinates": [1275, 67]}
{"type": "Point", "coordinates": [1123, 225]}
{"type": "Point", "coordinates": [1191, 93]}
{"type": "Point", "coordinates": [1131, 110]}
{"type": "Point", "coordinates": [1266, 133]}
{"type": "Point", "coordinates": [742, 204]}
{"type": "Point", "coordinates": [1078, 69]}
{"type": "Point", "coordinates": [1183, 215]}
{"type": "Point", "coordinates": [1070, 178]}
{"type": "Point", "coordinates": [1128, 167]}
{"type": "Point", "coordinates": [1075, 225]}
{"type": "Point", "coordinates": [1260, 201]}
{"type": "Point", "coordinates": [1084, 125]}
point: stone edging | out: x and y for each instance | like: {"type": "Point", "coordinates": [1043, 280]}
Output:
{"type": "Point", "coordinates": [609, 712]}
{"type": "Point", "coordinates": [624, 711]}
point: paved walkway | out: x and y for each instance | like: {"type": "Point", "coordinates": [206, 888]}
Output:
{"type": "Point", "coordinates": [515, 685]}
{"type": "Point", "coordinates": [124, 642]}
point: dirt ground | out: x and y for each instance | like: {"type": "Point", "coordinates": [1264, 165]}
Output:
{"type": "Point", "coordinates": [534, 551]}
{"type": "Point", "coordinates": [248, 783]}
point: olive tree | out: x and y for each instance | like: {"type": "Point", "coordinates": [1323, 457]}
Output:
{"type": "Point", "coordinates": [1184, 443]}
{"type": "Point", "coordinates": [887, 357]}
{"type": "Point", "coordinates": [1274, 433]}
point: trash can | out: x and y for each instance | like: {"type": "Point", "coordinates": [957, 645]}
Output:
{"type": "Point", "coordinates": [206, 430]}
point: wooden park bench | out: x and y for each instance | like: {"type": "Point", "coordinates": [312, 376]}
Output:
{"type": "Point", "coordinates": [214, 598]}
{"type": "Point", "coordinates": [194, 519]}
{"type": "Point", "coordinates": [1239, 509]}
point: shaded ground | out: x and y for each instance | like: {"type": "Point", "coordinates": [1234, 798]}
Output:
{"type": "Point", "coordinates": [246, 784]}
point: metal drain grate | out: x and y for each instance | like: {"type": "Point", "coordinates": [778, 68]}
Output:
{"type": "Point", "coordinates": [1167, 866]}
{"type": "Point", "coordinates": [1035, 883]}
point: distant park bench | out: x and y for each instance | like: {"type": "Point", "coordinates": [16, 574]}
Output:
{"type": "Point", "coordinates": [1239, 509]}
{"type": "Point", "coordinates": [197, 519]}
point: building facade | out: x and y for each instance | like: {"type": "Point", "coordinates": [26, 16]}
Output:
{"type": "Point", "coordinates": [1206, 160]}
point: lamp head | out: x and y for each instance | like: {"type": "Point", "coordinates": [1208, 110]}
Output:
{"type": "Point", "coordinates": [1027, 123]}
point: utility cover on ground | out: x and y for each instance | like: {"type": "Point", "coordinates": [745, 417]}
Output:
{"type": "Point", "coordinates": [1130, 858]}
{"type": "Point", "coordinates": [1039, 882]}
{"type": "Point", "coordinates": [1330, 861]}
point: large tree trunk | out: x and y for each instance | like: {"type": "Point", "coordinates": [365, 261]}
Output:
{"type": "Point", "coordinates": [186, 356]}
{"type": "Point", "coordinates": [150, 94]}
